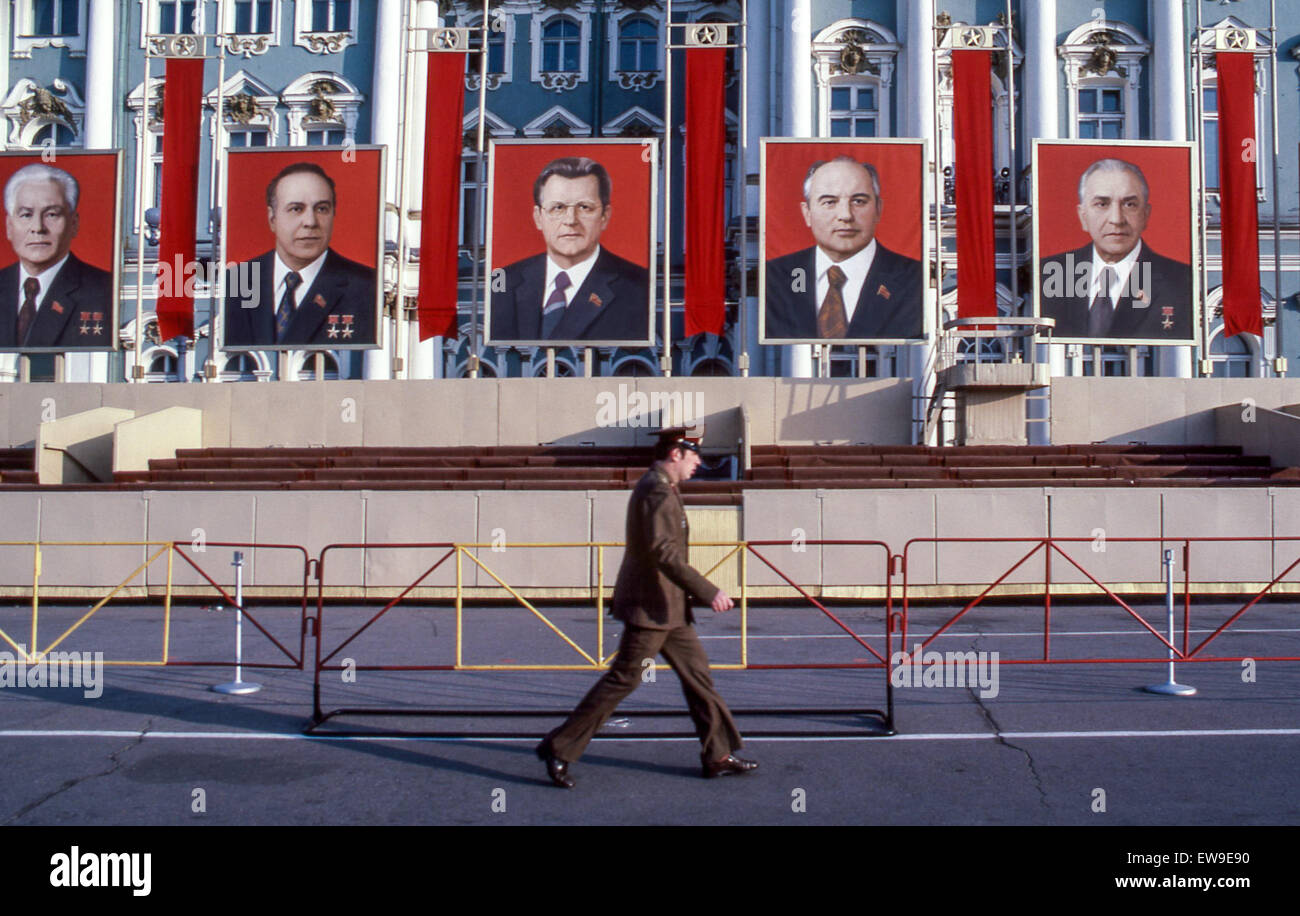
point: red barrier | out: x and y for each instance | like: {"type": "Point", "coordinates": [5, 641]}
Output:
{"type": "Point", "coordinates": [295, 661]}
{"type": "Point", "coordinates": [1051, 546]}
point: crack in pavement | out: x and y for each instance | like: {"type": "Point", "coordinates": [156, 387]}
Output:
{"type": "Point", "coordinates": [997, 731]}
{"type": "Point", "coordinates": [115, 757]}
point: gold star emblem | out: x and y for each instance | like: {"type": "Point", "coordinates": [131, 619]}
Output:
{"type": "Point", "coordinates": [972, 38]}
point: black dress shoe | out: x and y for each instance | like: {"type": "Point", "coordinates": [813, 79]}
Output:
{"type": "Point", "coordinates": [728, 765]}
{"type": "Point", "coordinates": [556, 768]}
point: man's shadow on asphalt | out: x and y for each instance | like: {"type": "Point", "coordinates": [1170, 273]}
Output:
{"type": "Point", "coordinates": [228, 716]}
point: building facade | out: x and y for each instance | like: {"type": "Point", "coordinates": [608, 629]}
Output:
{"type": "Point", "coordinates": [331, 72]}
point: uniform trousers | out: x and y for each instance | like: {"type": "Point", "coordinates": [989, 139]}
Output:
{"type": "Point", "coordinates": [681, 648]}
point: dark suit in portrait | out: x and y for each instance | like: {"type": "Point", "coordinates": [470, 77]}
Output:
{"type": "Point", "coordinates": [652, 596]}
{"type": "Point", "coordinates": [76, 311]}
{"type": "Point", "coordinates": [889, 306]}
{"type": "Point", "coordinates": [338, 309]}
{"type": "Point", "coordinates": [1156, 303]}
{"type": "Point", "coordinates": [611, 304]}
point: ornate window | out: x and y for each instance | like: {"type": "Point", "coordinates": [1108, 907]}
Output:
{"type": "Point", "coordinates": [325, 26]}
{"type": "Point", "coordinates": [500, 62]}
{"type": "Point", "coordinates": [559, 45]}
{"type": "Point", "coordinates": [636, 59]}
{"type": "Point", "coordinates": [40, 117]}
{"type": "Point", "coordinates": [307, 366]}
{"type": "Point", "coordinates": [252, 26]}
{"type": "Point", "coordinates": [557, 121]}
{"type": "Point", "coordinates": [854, 64]}
{"type": "Point", "coordinates": [1231, 357]}
{"type": "Point", "coordinates": [171, 17]}
{"type": "Point", "coordinates": [248, 366]}
{"type": "Point", "coordinates": [322, 105]}
{"type": "Point", "coordinates": [1103, 63]}
{"type": "Point", "coordinates": [49, 23]}
{"type": "Point", "coordinates": [471, 183]}
{"type": "Point", "coordinates": [152, 184]}
{"type": "Point", "coordinates": [249, 112]}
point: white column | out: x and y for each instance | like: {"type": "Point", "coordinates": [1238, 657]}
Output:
{"type": "Point", "coordinates": [1169, 84]}
{"type": "Point", "coordinates": [101, 40]}
{"type": "Point", "coordinates": [6, 29]}
{"type": "Point", "coordinates": [385, 128]}
{"type": "Point", "coordinates": [918, 66]}
{"type": "Point", "coordinates": [917, 119]}
{"type": "Point", "coordinates": [1169, 71]}
{"type": "Point", "coordinates": [797, 118]}
{"type": "Point", "coordinates": [1041, 110]}
{"type": "Point", "coordinates": [424, 355]}
{"type": "Point", "coordinates": [1042, 102]}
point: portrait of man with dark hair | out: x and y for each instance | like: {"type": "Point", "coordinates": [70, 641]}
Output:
{"type": "Point", "coordinates": [302, 293]}
{"type": "Point", "coordinates": [1117, 286]}
{"type": "Point", "coordinates": [847, 285]}
{"type": "Point", "coordinates": [49, 297]}
{"type": "Point", "coordinates": [575, 290]}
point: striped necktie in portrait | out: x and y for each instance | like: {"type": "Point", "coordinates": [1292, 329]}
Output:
{"type": "Point", "coordinates": [553, 311]}
{"type": "Point", "coordinates": [831, 318]}
{"type": "Point", "coordinates": [27, 314]}
{"type": "Point", "coordinates": [284, 314]}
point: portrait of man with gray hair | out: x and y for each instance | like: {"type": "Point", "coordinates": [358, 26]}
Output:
{"type": "Point", "coordinates": [50, 298]}
{"type": "Point", "coordinates": [1117, 286]}
{"type": "Point", "coordinates": [577, 289]}
{"type": "Point", "coordinates": [848, 285]}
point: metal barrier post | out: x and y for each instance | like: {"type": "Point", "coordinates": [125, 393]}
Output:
{"type": "Point", "coordinates": [238, 685]}
{"type": "Point", "coordinates": [1171, 687]}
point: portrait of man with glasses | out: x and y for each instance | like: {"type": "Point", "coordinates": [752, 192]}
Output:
{"type": "Point", "coordinates": [576, 290]}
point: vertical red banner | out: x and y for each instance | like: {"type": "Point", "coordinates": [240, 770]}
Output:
{"type": "Point", "coordinates": [182, 114]}
{"type": "Point", "coordinates": [972, 130]}
{"type": "Point", "coordinates": [706, 139]}
{"type": "Point", "coordinates": [1238, 149]}
{"type": "Point", "coordinates": [440, 207]}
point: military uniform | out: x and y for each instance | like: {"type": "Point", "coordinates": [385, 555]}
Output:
{"type": "Point", "coordinates": [652, 598]}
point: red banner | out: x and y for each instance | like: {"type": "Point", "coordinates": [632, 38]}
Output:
{"type": "Point", "coordinates": [706, 138]}
{"type": "Point", "coordinates": [972, 128]}
{"type": "Point", "coordinates": [182, 114]}
{"type": "Point", "coordinates": [1242, 309]}
{"type": "Point", "coordinates": [440, 209]}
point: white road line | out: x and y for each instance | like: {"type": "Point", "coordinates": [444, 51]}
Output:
{"type": "Point", "coordinates": [1035, 633]}
{"type": "Point", "coordinates": [930, 736]}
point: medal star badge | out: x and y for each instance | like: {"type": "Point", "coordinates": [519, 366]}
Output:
{"type": "Point", "coordinates": [85, 328]}
{"type": "Point", "coordinates": [347, 325]}
{"type": "Point", "coordinates": [333, 329]}
{"type": "Point", "coordinates": [1167, 316]}
{"type": "Point", "coordinates": [882, 291]}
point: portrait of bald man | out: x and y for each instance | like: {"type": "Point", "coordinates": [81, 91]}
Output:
{"type": "Point", "coordinates": [847, 285]}
{"type": "Point", "coordinates": [1117, 286]}
{"type": "Point", "coordinates": [50, 298]}
{"type": "Point", "coordinates": [302, 293]}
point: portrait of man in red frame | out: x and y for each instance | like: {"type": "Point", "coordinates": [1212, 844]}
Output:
{"type": "Point", "coordinates": [297, 278]}
{"type": "Point", "coordinates": [1114, 240]}
{"type": "Point", "coordinates": [569, 243]}
{"type": "Point", "coordinates": [61, 251]}
{"type": "Point", "coordinates": [842, 241]}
